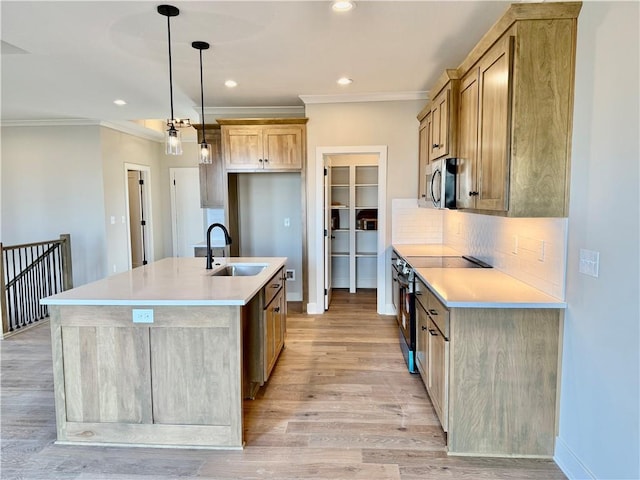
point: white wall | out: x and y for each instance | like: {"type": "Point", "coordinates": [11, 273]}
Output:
{"type": "Point", "coordinates": [264, 201]}
{"type": "Point", "coordinates": [52, 184]}
{"type": "Point", "coordinates": [70, 179]}
{"type": "Point", "coordinates": [599, 419]}
{"type": "Point", "coordinates": [393, 124]}
{"type": "Point", "coordinates": [118, 148]}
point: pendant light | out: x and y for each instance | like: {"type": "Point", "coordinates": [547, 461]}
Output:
{"type": "Point", "coordinates": [205, 148]}
{"type": "Point", "coordinates": [173, 142]}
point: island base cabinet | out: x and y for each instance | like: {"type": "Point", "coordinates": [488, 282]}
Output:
{"type": "Point", "coordinates": [174, 382]}
{"type": "Point", "coordinates": [265, 324]}
{"type": "Point", "coordinates": [503, 373]}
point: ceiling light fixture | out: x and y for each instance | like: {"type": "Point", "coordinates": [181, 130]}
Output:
{"type": "Point", "coordinates": [231, 83]}
{"type": "Point", "coordinates": [205, 148]}
{"type": "Point", "coordinates": [173, 142]}
{"type": "Point", "coordinates": [119, 102]}
{"type": "Point", "coordinates": [344, 81]}
{"type": "Point", "coordinates": [342, 5]}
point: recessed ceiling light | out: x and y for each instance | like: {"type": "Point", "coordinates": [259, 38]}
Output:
{"type": "Point", "coordinates": [342, 5]}
{"type": "Point", "coordinates": [231, 83]}
{"type": "Point", "coordinates": [344, 81]}
{"type": "Point", "coordinates": [119, 102]}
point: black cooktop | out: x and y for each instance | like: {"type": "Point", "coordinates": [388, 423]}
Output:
{"type": "Point", "coordinates": [464, 261]}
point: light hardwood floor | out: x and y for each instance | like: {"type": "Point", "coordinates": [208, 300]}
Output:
{"type": "Point", "coordinates": [340, 404]}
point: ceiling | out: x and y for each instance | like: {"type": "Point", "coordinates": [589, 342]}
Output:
{"type": "Point", "coordinates": [71, 60]}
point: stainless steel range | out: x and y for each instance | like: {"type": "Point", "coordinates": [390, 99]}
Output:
{"type": "Point", "coordinates": [403, 277]}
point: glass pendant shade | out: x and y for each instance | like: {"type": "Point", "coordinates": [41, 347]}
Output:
{"type": "Point", "coordinates": [173, 141]}
{"type": "Point", "coordinates": [205, 153]}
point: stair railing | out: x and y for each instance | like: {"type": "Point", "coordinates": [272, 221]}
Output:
{"type": "Point", "coordinates": [28, 273]}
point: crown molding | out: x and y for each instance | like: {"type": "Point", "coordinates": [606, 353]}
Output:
{"type": "Point", "coordinates": [260, 112]}
{"type": "Point", "coordinates": [50, 122]}
{"type": "Point", "coordinates": [364, 97]}
{"type": "Point", "coordinates": [134, 129]}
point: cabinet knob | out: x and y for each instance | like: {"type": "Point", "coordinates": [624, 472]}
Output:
{"type": "Point", "coordinates": [277, 309]}
{"type": "Point", "coordinates": [266, 160]}
{"type": "Point", "coordinates": [423, 328]}
{"type": "Point", "coordinates": [436, 145]}
{"type": "Point", "coordinates": [418, 293]}
{"type": "Point", "coordinates": [433, 312]}
{"type": "Point", "coordinates": [275, 285]}
{"type": "Point", "coordinates": [433, 332]}
{"type": "Point", "coordinates": [473, 194]}
{"type": "Point", "coordinates": [260, 160]}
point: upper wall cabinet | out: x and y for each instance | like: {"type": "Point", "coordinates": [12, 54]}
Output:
{"type": "Point", "coordinates": [261, 144]}
{"type": "Point", "coordinates": [442, 110]}
{"type": "Point", "coordinates": [515, 113]}
{"type": "Point", "coordinates": [212, 193]}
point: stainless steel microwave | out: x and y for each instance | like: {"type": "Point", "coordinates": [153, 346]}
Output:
{"type": "Point", "coordinates": [441, 183]}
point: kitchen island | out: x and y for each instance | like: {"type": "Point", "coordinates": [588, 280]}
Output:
{"type": "Point", "coordinates": [162, 355]}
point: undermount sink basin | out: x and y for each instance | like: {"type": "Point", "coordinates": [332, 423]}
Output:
{"type": "Point", "coordinates": [240, 270]}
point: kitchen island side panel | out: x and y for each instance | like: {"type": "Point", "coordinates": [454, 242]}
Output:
{"type": "Point", "coordinates": [174, 382]}
{"type": "Point", "coordinates": [503, 379]}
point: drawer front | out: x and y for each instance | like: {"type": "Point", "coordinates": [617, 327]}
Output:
{"type": "Point", "coordinates": [439, 313]}
{"type": "Point", "coordinates": [422, 293]}
{"type": "Point", "coordinates": [273, 286]}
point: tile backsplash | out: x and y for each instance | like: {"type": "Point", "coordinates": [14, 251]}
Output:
{"type": "Point", "coordinates": [533, 250]}
{"type": "Point", "coordinates": [410, 224]}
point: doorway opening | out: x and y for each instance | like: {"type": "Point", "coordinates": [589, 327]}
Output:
{"type": "Point", "coordinates": [353, 220]}
{"type": "Point", "coordinates": [138, 208]}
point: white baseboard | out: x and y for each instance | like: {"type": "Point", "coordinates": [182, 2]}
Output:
{"type": "Point", "coordinates": [312, 309]}
{"type": "Point", "coordinates": [388, 310]}
{"type": "Point", "coordinates": [569, 462]}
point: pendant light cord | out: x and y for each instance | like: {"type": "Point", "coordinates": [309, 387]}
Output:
{"type": "Point", "coordinates": [204, 140]}
{"type": "Point", "coordinates": [170, 72]}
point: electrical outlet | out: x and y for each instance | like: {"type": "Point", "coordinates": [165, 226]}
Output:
{"type": "Point", "coordinates": [287, 222]}
{"type": "Point", "coordinates": [290, 275]}
{"type": "Point", "coordinates": [142, 315]}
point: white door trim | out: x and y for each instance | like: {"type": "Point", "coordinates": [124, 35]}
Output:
{"type": "Point", "coordinates": [381, 151]}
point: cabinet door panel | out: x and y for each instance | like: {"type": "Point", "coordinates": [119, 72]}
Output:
{"type": "Point", "coordinates": [103, 365]}
{"type": "Point", "coordinates": [283, 148]}
{"type": "Point", "coordinates": [191, 368]}
{"type": "Point", "coordinates": [424, 148]}
{"type": "Point", "coordinates": [243, 148]}
{"type": "Point", "coordinates": [212, 174]}
{"type": "Point", "coordinates": [438, 386]}
{"type": "Point", "coordinates": [493, 148]}
{"type": "Point", "coordinates": [422, 345]}
{"type": "Point", "coordinates": [468, 141]}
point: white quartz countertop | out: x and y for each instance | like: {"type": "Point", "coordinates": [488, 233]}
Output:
{"type": "Point", "coordinates": [484, 288]}
{"type": "Point", "coordinates": [173, 281]}
{"type": "Point", "coordinates": [475, 287]}
{"type": "Point", "coordinates": [423, 250]}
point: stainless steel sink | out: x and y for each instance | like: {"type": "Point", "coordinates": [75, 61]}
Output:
{"type": "Point", "coordinates": [240, 270]}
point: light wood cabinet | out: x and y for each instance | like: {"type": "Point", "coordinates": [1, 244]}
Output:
{"type": "Point", "coordinates": [424, 148]}
{"type": "Point", "coordinates": [484, 130]}
{"type": "Point", "coordinates": [265, 326]}
{"type": "Point", "coordinates": [439, 116]}
{"type": "Point", "coordinates": [263, 144]}
{"type": "Point", "coordinates": [514, 139]}
{"type": "Point", "coordinates": [212, 192]}
{"type": "Point", "coordinates": [173, 382]}
{"type": "Point", "coordinates": [489, 406]}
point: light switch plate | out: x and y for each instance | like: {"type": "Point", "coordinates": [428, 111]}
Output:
{"type": "Point", "coordinates": [589, 262]}
{"type": "Point", "coordinates": [142, 315]}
